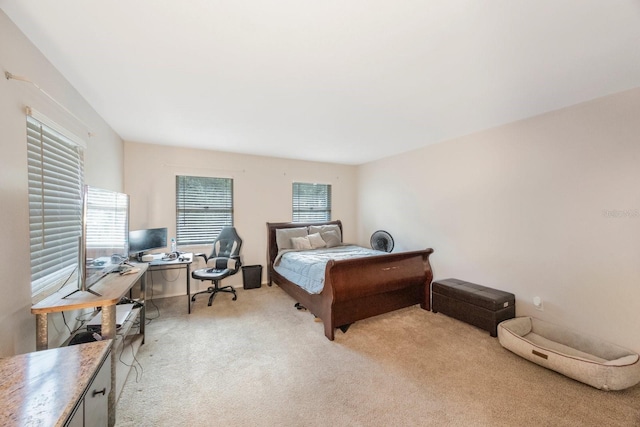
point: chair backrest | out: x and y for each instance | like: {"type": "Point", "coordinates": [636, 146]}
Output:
{"type": "Point", "coordinates": [227, 245]}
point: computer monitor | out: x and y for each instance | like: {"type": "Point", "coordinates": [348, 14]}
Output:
{"type": "Point", "coordinates": [141, 241]}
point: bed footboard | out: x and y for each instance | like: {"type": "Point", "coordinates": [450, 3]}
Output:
{"type": "Point", "coordinates": [360, 288]}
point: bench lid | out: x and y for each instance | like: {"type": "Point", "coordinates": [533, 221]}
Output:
{"type": "Point", "coordinates": [472, 293]}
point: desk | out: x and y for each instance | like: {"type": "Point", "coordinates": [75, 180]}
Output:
{"type": "Point", "coordinates": [111, 289]}
{"type": "Point", "coordinates": [184, 261]}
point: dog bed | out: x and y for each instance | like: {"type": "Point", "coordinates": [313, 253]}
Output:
{"type": "Point", "coordinates": [587, 359]}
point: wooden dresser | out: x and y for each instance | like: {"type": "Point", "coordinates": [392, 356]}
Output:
{"type": "Point", "coordinates": [67, 386]}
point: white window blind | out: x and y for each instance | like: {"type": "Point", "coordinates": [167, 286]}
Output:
{"type": "Point", "coordinates": [311, 202]}
{"type": "Point", "coordinates": [204, 206]}
{"type": "Point", "coordinates": [56, 171]}
{"type": "Point", "coordinates": [107, 221]}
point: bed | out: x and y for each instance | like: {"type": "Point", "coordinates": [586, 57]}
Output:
{"type": "Point", "coordinates": [358, 288]}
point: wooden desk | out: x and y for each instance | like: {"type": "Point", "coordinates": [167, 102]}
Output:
{"type": "Point", "coordinates": [111, 289]}
{"type": "Point", "coordinates": [44, 388]}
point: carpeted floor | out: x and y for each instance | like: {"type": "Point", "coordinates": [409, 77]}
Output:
{"type": "Point", "coordinates": [258, 361]}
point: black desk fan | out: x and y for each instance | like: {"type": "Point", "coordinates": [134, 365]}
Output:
{"type": "Point", "coordinates": [382, 241]}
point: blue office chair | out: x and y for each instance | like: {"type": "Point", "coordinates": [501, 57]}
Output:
{"type": "Point", "coordinates": [223, 262]}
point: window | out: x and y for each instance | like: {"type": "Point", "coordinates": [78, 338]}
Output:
{"type": "Point", "coordinates": [56, 170]}
{"type": "Point", "coordinates": [203, 207]}
{"type": "Point", "coordinates": [311, 202]}
{"type": "Point", "coordinates": [107, 222]}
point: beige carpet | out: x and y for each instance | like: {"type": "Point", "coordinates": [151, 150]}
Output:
{"type": "Point", "coordinates": [258, 361]}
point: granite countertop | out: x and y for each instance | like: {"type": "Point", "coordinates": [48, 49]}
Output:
{"type": "Point", "coordinates": [42, 388]}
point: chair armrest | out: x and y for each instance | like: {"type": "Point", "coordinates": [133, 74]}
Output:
{"type": "Point", "coordinates": [203, 256]}
{"type": "Point", "coordinates": [238, 263]}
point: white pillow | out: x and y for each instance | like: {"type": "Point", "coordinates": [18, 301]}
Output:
{"type": "Point", "coordinates": [316, 241]}
{"type": "Point", "coordinates": [324, 228]}
{"type": "Point", "coordinates": [331, 238]}
{"type": "Point", "coordinates": [300, 243]}
{"type": "Point", "coordinates": [284, 235]}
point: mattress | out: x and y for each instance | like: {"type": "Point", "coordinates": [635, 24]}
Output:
{"type": "Point", "coordinates": [306, 268]}
{"type": "Point", "coordinates": [584, 358]}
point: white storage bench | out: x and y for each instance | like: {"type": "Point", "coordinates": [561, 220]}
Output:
{"type": "Point", "coordinates": [587, 359]}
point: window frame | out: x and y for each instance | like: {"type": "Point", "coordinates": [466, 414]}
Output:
{"type": "Point", "coordinates": [193, 228]}
{"type": "Point", "coordinates": [303, 209]}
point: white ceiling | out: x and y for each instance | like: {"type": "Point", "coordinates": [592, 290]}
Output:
{"type": "Point", "coordinates": [344, 81]}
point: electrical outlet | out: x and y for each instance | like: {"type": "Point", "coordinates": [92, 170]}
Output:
{"type": "Point", "coordinates": [538, 304]}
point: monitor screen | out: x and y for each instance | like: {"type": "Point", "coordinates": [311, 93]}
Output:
{"type": "Point", "coordinates": [146, 240]}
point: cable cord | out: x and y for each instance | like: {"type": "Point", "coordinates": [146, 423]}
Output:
{"type": "Point", "coordinates": [133, 355]}
{"type": "Point", "coordinates": [167, 279]}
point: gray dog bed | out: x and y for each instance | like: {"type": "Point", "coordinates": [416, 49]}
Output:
{"type": "Point", "coordinates": [587, 359]}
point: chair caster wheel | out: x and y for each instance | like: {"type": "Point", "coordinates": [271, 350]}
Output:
{"type": "Point", "coordinates": [235, 297]}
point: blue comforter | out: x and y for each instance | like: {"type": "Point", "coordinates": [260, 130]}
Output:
{"type": "Point", "coordinates": [306, 267]}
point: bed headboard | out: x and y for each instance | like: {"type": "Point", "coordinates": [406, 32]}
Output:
{"type": "Point", "coordinates": [272, 245]}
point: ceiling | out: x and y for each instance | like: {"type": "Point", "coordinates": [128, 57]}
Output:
{"type": "Point", "coordinates": [342, 81]}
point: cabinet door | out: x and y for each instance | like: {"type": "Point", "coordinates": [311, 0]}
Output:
{"type": "Point", "coordinates": [77, 419]}
{"type": "Point", "coordinates": [96, 401]}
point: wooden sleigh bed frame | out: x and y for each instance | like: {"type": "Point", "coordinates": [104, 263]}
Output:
{"type": "Point", "coordinates": [356, 289]}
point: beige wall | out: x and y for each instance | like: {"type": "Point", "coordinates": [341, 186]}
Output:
{"type": "Point", "coordinates": [262, 193]}
{"type": "Point", "coordinates": [103, 167]}
{"type": "Point", "coordinates": [548, 207]}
